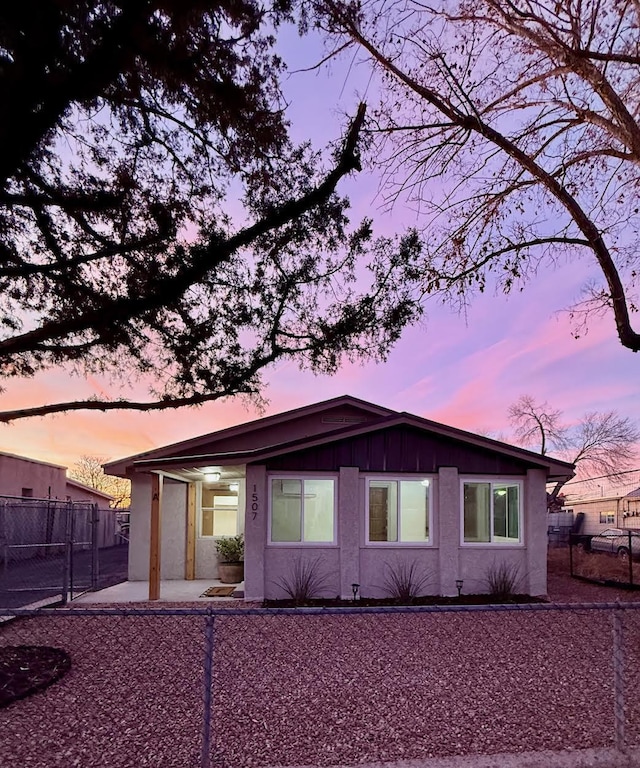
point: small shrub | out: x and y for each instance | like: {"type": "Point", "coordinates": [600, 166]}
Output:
{"type": "Point", "coordinates": [404, 581]}
{"type": "Point", "coordinates": [231, 549]}
{"type": "Point", "coordinates": [504, 579]}
{"type": "Point", "coordinates": [305, 581]}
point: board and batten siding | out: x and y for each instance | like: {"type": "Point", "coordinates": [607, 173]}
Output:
{"type": "Point", "coordinates": [399, 449]}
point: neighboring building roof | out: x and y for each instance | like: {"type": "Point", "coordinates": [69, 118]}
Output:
{"type": "Point", "coordinates": [175, 456]}
{"type": "Point", "coordinates": [33, 461]}
{"type": "Point", "coordinates": [633, 494]}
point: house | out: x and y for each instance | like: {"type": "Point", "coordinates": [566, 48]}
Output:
{"type": "Point", "coordinates": [354, 487]}
{"type": "Point", "coordinates": [26, 478]}
{"type": "Point", "coordinates": [620, 510]}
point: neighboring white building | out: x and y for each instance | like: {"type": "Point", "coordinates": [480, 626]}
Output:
{"type": "Point", "coordinates": [612, 511]}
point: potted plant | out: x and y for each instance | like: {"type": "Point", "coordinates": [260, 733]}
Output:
{"type": "Point", "coordinates": [231, 559]}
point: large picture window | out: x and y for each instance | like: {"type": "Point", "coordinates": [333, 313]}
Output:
{"type": "Point", "coordinates": [398, 511]}
{"type": "Point", "coordinates": [302, 510]}
{"type": "Point", "coordinates": [492, 513]}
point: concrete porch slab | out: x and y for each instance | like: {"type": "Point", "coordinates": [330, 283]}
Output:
{"type": "Point", "coordinates": [171, 591]}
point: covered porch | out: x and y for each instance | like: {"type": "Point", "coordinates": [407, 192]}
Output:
{"type": "Point", "coordinates": [192, 503]}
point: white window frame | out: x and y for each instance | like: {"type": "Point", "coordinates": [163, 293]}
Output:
{"type": "Point", "coordinates": [302, 476]}
{"type": "Point", "coordinates": [398, 478]}
{"type": "Point", "coordinates": [493, 481]}
{"type": "Point", "coordinates": [200, 510]}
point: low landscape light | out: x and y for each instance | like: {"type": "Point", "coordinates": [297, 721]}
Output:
{"type": "Point", "coordinates": [459, 583]}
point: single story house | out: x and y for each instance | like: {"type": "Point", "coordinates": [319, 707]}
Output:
{"type": "Point", "coordinates": [356, 488]}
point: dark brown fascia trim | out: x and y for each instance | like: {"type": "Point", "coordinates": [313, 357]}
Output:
{"type": "Point", "coordinates": [120, 465]}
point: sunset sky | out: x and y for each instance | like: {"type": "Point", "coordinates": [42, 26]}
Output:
{"type": "Point", "coordinates": [463, 370]}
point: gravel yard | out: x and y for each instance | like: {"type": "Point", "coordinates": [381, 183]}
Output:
{"type": "Point", "coordinates": [322, 690]}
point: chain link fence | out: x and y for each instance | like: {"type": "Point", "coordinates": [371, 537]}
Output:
{"type": "Point", "coordinates": [222, 687]}
{"type": "Point", "coordinates": [54, 549]}
{"type": "Point", "coordinates": [610, 557]}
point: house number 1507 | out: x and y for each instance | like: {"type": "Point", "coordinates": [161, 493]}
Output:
{"type": "Point", "coordinates": [254, 502]}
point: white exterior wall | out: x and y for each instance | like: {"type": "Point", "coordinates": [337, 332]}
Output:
{"type": "Point", "coordinates": [173, 542]}
{"type": "Point", "coordinates": [173, 527]}
{"type": "Point", "coordinates": [592, 508]}
{"type": "Point", "coordinates": [140, 528]}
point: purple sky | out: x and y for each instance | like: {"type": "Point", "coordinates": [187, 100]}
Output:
{"type": "Point", "coordinates": [461, 370]}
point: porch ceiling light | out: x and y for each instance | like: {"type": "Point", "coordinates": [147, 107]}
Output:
{"type": "Point", "coordinates": [234, 487]}
{"type": "Point", "coordinates": [425, 483]}
{"type": "Point", "coordinates": [211, 477]}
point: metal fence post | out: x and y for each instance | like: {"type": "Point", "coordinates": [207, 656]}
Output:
{"type": "Point", "coordinates": [205, 758]}
{"type": "Point", "coordinates": [618, 681]}
{"type": "Point", "coordinates": [95, 519]}
{"type": "Point", "coordinates": [571, 553]}
{"type": "Point", "coordinates": [66, 560]}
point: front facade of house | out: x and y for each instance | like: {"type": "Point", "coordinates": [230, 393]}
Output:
{"type": "Point", "coordinates": [356, 491]}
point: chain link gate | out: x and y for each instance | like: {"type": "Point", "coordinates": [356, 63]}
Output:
{"type": "Point", "coordinates": [48, 548]}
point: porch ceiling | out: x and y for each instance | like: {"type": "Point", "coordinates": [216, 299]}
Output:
{"type": "Point", "coordinates": [190, 474]}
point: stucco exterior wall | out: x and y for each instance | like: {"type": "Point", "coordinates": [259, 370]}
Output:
{"type": "Point", "coordinates": [173, 527]}
{"type": "Point", "coordinates": [536, 541]}
{"type": "Point", "coordinates": [85, 494]}
{"type": "Point", "coordinates": [379, 564]}
{"type": "Point", "coordinates": [281, 561]}
{"type": "Point", "coordinates": [255, 532]}
{"type": "Point", "coordinates": [44, 480]}
{"type": "Point", "coordinates": [140, 528]}
{"type": "Point", "coordinates": [443, 562]}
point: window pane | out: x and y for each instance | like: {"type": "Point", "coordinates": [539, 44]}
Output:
{"type": "Point", "coordinates": [225, 515]}
{"type": "Point", "coordinates": [286, 510]}
{"type": "Point", "coordinates": [383, 510]}
{"type": "Point", "coordinates": [500, 511]}
{"type": "Point", "coordinates": [207, 523]}
{"type": "Point", "coordinates": [414, 511]}
{"type": "Point", "coordinates": [506, 518]}
{"type": "Point", "coordinates": [318, 510]}
{"type": "Point", "coordinates": [207, 497]}
{"type": "Point", "coordinates": [477, 511]}
{"type": "Point", "coordinates": [513, 516]}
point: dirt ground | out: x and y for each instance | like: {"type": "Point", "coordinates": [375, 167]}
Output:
{"type": "Point", "coordinates": [562, 588]}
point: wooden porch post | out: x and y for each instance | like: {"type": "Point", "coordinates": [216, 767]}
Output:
{"type": "Point", "coordinates": [190, 559]}
{"type": "Point", "coordinates": [154, 537]}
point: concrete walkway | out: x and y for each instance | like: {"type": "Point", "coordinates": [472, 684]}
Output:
{"type": "Point", "coordinates": [171, 591]}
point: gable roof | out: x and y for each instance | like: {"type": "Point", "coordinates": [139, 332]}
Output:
{"type": "Point", "coordinates": [555, 469]}
{"type": "Point", "coordinates": [189, 447]}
